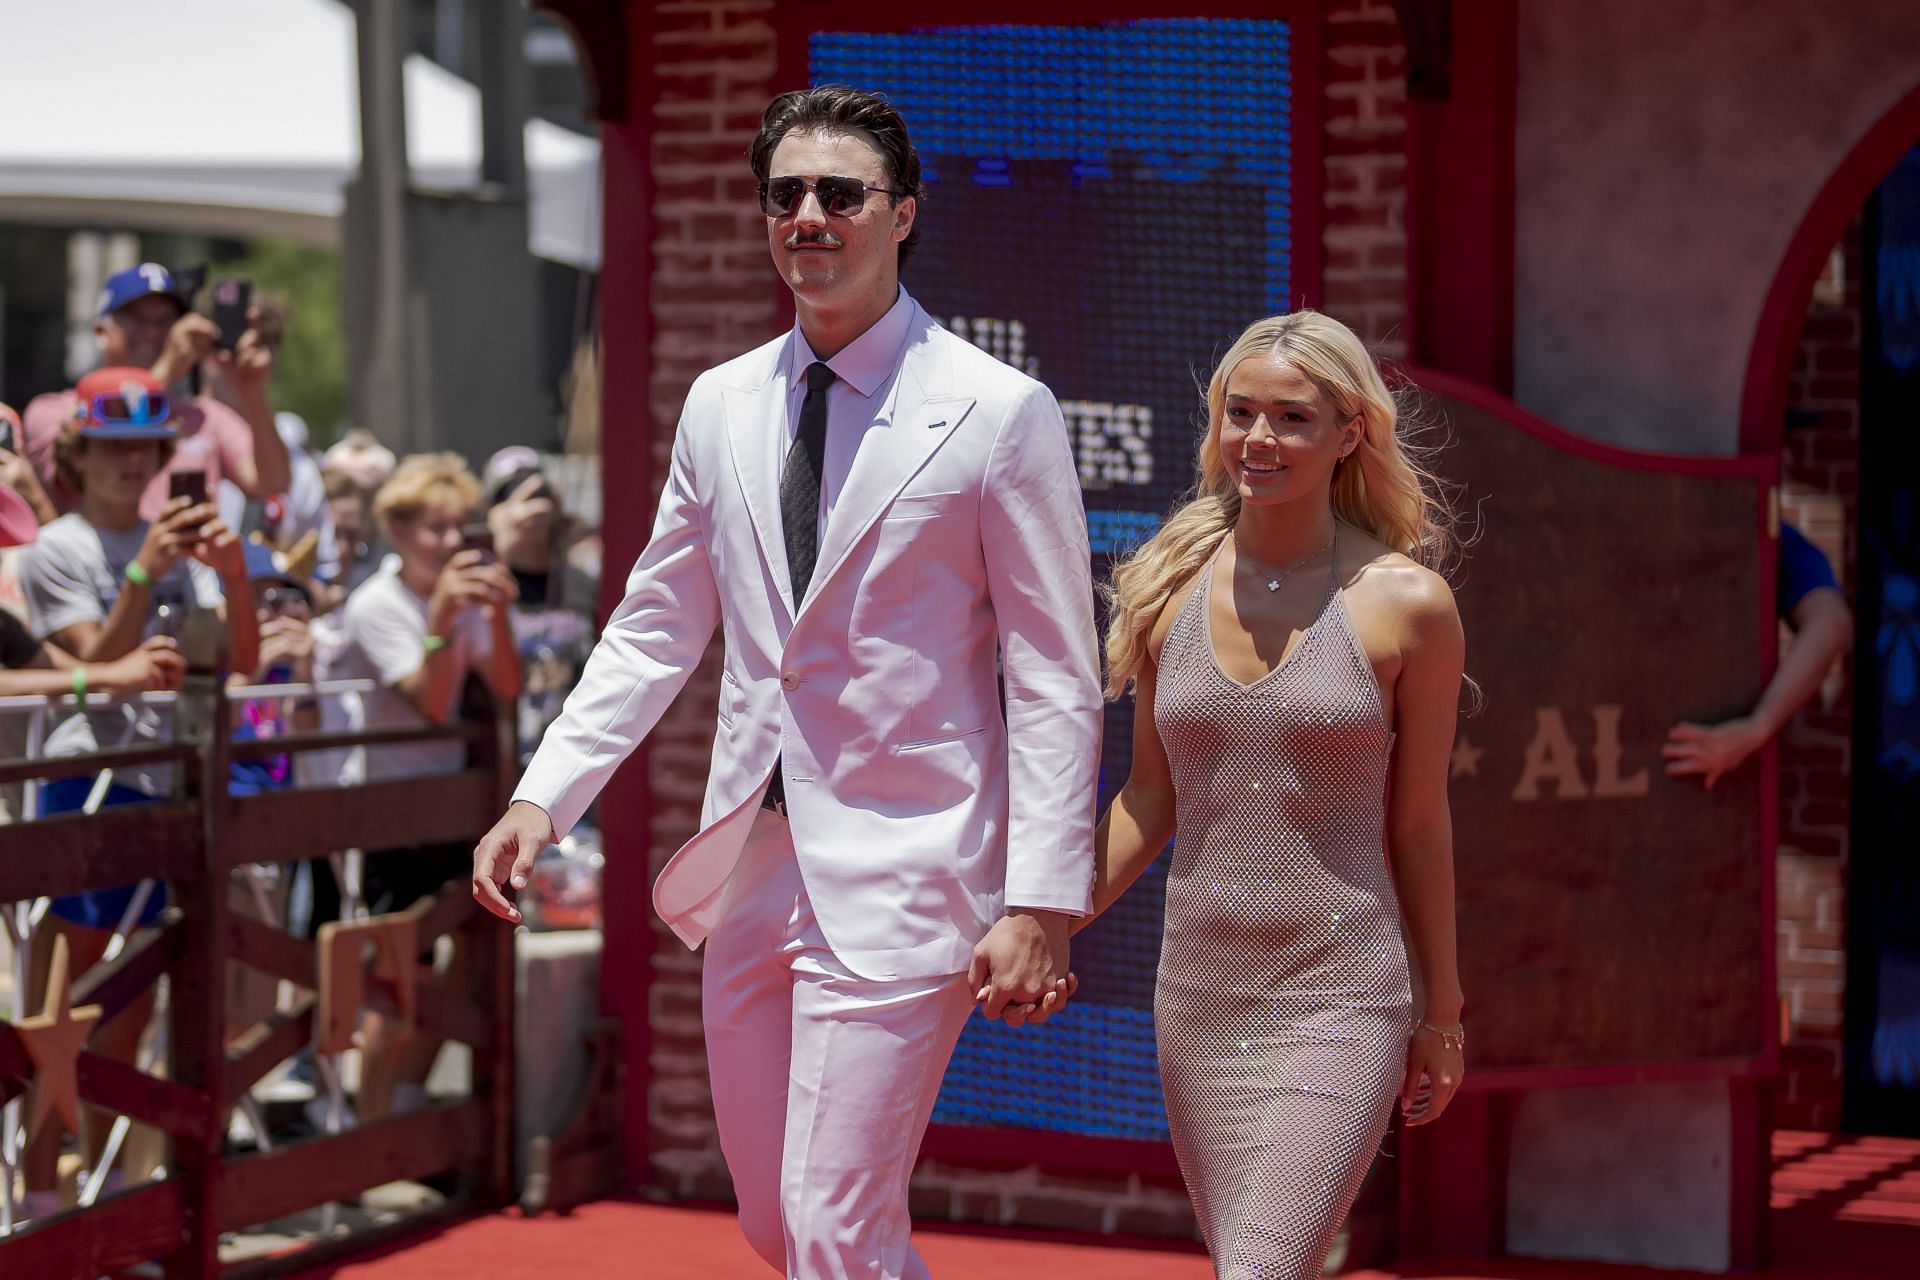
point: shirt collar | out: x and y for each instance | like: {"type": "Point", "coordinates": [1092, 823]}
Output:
{"type": "Point", "coordinates": [865, 363]}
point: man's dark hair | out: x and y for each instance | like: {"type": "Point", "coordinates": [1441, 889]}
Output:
{"type": "Point", "coordinates": [838, 108]}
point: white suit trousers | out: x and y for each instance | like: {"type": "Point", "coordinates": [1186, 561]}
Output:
{"type": "Point", "coordinates": [823, 1081]}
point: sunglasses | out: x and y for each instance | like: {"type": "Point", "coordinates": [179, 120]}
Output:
{"type": "Point", "coordinates": [151, 409]}
{"type": "Point", "coordinates": [841, 197]}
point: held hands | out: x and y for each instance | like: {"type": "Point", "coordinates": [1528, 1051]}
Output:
{"type": "Point", "coordinates": [1019, 970]}
{"type": "Point", "coordinates": [1436, 1063]}
{"type": "Point", "coordinates": [1710, 751]}
{"type": "Point", "coordinates": [505, 856]}
{"type": "Point", "coordinates": [468, 581]}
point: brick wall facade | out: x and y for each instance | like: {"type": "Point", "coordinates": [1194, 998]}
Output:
{"type": "Point", "coordinates": [712, 297]}
{"type": "Point", "coordinates": [1820, 493]}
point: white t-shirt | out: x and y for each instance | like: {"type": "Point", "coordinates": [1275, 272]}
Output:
{"type": "Point", "coordinates": [382, 627]}
{"type": "Point", "coordinates": [73, 573]}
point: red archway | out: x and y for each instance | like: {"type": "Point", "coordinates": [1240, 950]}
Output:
{"type": "Point", "coordinates": [1763, 400]}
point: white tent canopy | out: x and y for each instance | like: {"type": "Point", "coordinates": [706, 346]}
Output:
{"type": "Point", "coordinates": [238, 117]}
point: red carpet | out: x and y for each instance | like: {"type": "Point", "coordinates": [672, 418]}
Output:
{"type": "Point", "coordinates": [1843, 1209]}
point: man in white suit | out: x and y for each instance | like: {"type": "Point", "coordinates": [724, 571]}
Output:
{"type": "Point", "coordinates": [885, 522]}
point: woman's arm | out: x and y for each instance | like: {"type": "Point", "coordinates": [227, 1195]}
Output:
{"type": "Point", "coordinates": [1139, 822]}
{"type": "Point", "coordinates": [1420, 828]}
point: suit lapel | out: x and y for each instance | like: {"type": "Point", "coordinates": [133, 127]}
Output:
{"type": "Point", "coordinates": [755, 416]}
{"type": "Point", "coordinates": [923, 413]}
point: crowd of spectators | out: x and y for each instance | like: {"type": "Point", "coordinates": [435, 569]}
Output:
{"type": "Point", "coordinates": [160, 517]}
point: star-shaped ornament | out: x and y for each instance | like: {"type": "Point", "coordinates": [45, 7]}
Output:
{"type": "Point", "coordinates": [1466, 760]}
{"type": "Point", "coordinates": [53, 1039]}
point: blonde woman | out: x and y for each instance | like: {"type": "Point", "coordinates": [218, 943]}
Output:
{"type": "Point", "coordinates": [1297, 667]}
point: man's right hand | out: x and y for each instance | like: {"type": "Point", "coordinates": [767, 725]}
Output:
{"type": "Point", "coordinates": [505, 856]}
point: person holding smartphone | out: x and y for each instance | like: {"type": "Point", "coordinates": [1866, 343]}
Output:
{"type": "Point", "coordinates": [145, 319]}
{"type": "Point", "coordinates": [101, 583]}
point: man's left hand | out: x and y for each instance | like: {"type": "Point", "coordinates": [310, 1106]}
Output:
{"type": "Point", "coordinates": [1019, 969]}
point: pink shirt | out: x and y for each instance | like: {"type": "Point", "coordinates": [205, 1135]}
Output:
{"type": "Point", "coordinates": [213, 438]}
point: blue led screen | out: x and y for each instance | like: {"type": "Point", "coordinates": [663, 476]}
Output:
{"type": "Point", "coordinates": [1107, 208]}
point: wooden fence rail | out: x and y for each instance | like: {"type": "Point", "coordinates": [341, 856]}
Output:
{"type": "Point", "coordinates": [193, 843]}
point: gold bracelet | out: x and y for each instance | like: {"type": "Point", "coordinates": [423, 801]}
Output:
{"type": "Point", "coordinates": [1455, 1039]}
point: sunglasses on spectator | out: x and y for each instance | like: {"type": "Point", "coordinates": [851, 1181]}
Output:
{"type": "Point", "coordinates": [129, 411]}
{"type": "Point", "coordinates": [841, 197]}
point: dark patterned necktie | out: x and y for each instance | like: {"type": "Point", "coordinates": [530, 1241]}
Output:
{"type": "Point", "coordinates": [800, 482]}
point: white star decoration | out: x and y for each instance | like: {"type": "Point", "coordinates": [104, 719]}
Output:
{"type": "Point", "coordinates": [1466, 759]}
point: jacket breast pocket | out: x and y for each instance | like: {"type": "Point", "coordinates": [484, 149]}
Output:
{"type": "Point", "coordinates": [923, 506]}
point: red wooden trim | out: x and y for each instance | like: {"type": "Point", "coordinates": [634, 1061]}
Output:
{"type": "Point", "coordinates": [1460, 204]}
{"type": "Point", "coordinates": [284, 825]}
{"type": "Point", "coordinates": [627, 440]}
{"type": "Point", "coordinates": [259, 1188]}
{"type": "Point", "coordinates": [1749, 1174]}
{"type": "Point", "coordinates": [115, 1233]}
{"type": "Point", "coordinates": [1759, 469]}
{"type": "Point", "coordinates": [1008, 1148]}
{"type": "Point", "coordinates": [1763, 403]}
{"type": "Point", "coordinates": [122, 845]}
{"type": "Point", "coordinates": [265, 1045]}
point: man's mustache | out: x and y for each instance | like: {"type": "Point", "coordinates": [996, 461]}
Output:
{"type": "Point", "coordinates": [826, 238]}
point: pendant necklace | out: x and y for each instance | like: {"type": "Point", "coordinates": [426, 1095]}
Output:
{"type": "Point", "coordinates": [1276, 577]}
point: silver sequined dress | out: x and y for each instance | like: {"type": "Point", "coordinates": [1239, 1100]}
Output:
{"type": "Point", "coordinates": [1282, 1003]}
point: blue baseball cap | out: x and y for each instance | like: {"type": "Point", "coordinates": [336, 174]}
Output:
{"type": "Point", "coordinates": [138, 282]}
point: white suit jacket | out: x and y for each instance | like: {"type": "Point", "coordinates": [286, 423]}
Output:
{"type": "Point", "coordinates": [919, 813]}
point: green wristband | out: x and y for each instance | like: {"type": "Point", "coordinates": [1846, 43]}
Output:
{"type": "Point", "coordinates": [80, 684]}
{"type": "Point", "coordinates": [137, 576]}
{"type": "Point", "coordinates": [433, 644]}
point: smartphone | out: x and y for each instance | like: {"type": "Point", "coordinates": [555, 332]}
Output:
{"type": "Point", "coordinates": [187, 483]}
{"type": "Point", "coordinates": [6, 436]}
{"type": "Point", "coordinates": [478, 537]}
{"type": "Point", "coordinates": [232, 295]}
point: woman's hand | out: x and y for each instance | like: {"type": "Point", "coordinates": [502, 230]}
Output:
{"type": "Point", "coordinates": [175, 534]}
{"type": "Point", "coordinates": [1434, 1071]}
{"type": "Point", "coordinates": [155, 665]}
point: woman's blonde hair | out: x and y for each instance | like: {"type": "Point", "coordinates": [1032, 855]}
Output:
{"type": "Point", "coordinates": [426, 481]}
{"type": "Point", "coordinates": [1383, 487]}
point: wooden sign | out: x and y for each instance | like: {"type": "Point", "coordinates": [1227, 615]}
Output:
{"type": "Point", "coordinates": [1609, 915]}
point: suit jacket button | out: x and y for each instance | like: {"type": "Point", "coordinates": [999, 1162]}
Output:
{"type": "Point", "coordinates": [788, 680]}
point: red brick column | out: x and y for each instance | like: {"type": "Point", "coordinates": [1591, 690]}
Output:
{"type": "Point", "coordinates": [1365, 237]}
{"type": "Point", "coordinates": [1820, 493]}
{"type": "Point", "coordinates": [713, 297]}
